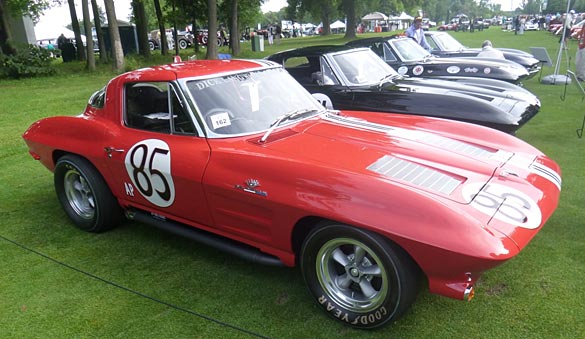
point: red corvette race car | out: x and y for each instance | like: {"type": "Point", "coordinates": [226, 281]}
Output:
{"type": "Point", "coordinates": [236, 154]}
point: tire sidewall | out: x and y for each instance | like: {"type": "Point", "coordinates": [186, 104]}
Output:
{"type": "Point", "coordinates": [107, 211]}
{"type": "Point", "coordinates": [387, 311]}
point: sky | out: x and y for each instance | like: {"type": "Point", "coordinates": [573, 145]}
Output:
{"type": "Point", "coordinates": [54, 20]}
{"type": "Point", "coordinates": [52, 23]}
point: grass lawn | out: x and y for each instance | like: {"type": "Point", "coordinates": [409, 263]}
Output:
{"type": "Point", "coordinates": [138, 282]}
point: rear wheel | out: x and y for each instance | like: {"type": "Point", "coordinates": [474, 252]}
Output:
{"type": "Point", "coordinates": [357, 276]}
{"type": "Point", "coordinates": [84, 195]}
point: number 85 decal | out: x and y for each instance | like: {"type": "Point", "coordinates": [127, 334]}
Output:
{"type": "Point", "coordinates": [148, 164]}
{"type": "Point", "coordinates": [504, 203]}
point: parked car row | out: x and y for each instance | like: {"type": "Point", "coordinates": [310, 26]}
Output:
{"type": "Point", "coordinates": [321, 157]}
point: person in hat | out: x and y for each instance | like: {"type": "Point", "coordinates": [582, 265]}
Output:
{"type": "Point", "coordinates": [416, 32]}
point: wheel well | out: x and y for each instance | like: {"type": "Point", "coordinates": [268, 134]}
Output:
{"type": "Point", "coordinates": [306, 225]}
{"type": "Point", "coordinates": [57, 155]}
{"type": "Point", "coordinates": [300, 232]}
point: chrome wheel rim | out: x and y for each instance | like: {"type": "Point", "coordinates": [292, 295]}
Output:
{"type": "Point", "coordinates": [79, 194]}
{"type": "Point", "coordinates": [352, 275]}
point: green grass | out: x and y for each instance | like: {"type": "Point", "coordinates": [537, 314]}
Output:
{"type": "Point", "coordinates": [44, 292]}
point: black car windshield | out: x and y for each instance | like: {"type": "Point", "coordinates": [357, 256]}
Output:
{"type": "Point", "coordinates": [408, 49]}
{"type": "Point", "coordinates": [447, 42]}
{"type": "Point", "coordinates": [362, 67]}
{"type": "Point", "coordinates": [250, 101]}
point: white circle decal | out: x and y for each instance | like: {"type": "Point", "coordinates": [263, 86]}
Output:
{"type": "Point", "coordinates": [418, 70]}
{"type": "Point", "coordinates": [487, 70]}
{"type": "Point", "coordinates": [148, 164]}
{"type": "Point", "coordinates": [504, 203]}
{"type": "Point", "coordinates": [402, 70]}
{"type": "Point", "coordinates": [453, 69]}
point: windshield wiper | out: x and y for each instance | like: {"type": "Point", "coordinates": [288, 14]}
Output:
{"type": "Point", "coordinates": [288, 116]}
{"type": "Point", "coordinates": [385, 79]}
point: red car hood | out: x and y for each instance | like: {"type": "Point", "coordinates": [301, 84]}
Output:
{"type": "Point", "coordinates": [493, 184]}
{"type": "Point", "coordinates": [359, 146]}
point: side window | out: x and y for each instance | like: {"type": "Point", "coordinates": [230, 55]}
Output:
{"type": "Point", "coordinates": [432, 43]}
{"type": "Point", "coordinates": [388, 55]}
{"type": "Point", "coordinates": [147, 106]}
{"type": "Point", "coordinates": [328, 78]}
{"type": "Point", "coordinates": [97, 100]}
{"type": "Point", "coordinates": [300, 69]}
{"type": "Point", "coordinates": [182, 123]}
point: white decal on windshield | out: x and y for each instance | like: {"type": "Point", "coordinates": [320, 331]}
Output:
{"type": "Point", "coordinates": [220, 120]}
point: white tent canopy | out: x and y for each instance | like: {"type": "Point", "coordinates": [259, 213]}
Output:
{"type": "Point", "coordinates": [337, 24]}
{"type": "Point", "coordinates": [404, 16]}
{"type": "Point", "coordinates": [375, 16]}
{"type": "Point", "coordinates": [46, 32]}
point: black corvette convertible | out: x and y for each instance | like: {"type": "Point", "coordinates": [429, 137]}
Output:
{"type": "Point", "coordinates": [446, 46]}
{"type": "Point", "coordinates": [409, 58]}
{"type": "Point", "coordinates": [342, 77]}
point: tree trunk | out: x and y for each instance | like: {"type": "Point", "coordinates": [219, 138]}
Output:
{"type": "Point", "coordinates": [212, 29]}
{"type": "Point", "coordinates": [5, 32]}
{"type": "Point", "coordinates": [117, 51]}
{"type": "Point", "coordinates": [75, 25]}
{"type": "Point", "coordinates": [141, 27]}
{"type": "Point", "coordinates": [349, 7]}
{"type": "Point", "coordinates": [325, 17]}
{"type": "Point", "coordinates": [164, 46]}
{"type": "Point", "coordinates": [234, 31]}
{"type": "Point", "coordinates": [90, 64]}
{"type": "Point", "coordinates": [98, 31]}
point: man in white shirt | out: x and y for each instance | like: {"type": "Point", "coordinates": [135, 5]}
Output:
{"type": "Point", "coordinates": [416, 32]}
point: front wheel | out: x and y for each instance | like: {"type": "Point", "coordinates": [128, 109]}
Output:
{"type": "Point", "coordinates": [357, 276]}
{"type": "Point", "coordinates": [84, 195]}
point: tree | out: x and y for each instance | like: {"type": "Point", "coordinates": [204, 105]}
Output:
{"type": "Point", "coordinates": [15, 8]}
{"type": "Point", "coordinates": [75, 25]}
{"type": "Point", "coordinates": [234, 29]}
{"type": "Point", "coordinates": [116, 43]}
{"type": "Point", "coordinates": [211, 29]}
{"type": "Point", "coordinates": [90, 64]}
{"type": "Point", "coordinates": [350, 25]}
{"type": "Point", "coordinates": [164, 46]}
{"type": "Point", "coordinates": [141, 27]}
{"type": "Point", "coordinates": [97, 21]}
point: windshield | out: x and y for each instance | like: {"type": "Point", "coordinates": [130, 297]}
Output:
{"type": "Point", "coordinates": [248, 102]}
{"type": "Point", "coordinates": [408, 49]}
{"type": "Point", "coordinates": [363, 67]}
{"type": "Point", "coordinates": [447, 42]}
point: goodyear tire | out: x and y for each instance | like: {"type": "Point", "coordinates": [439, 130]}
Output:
{"type": "Point", "coordinates": [358, 277]}
{"type": "Point", "coordinates": [84, 195]}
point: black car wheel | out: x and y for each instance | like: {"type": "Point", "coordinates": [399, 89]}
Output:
{"type": "Point", "coordinates": [357, 276]}
{"type": "Point", "coordinates": [183, 44]}
{"type": "Point", "coordinates": [84, 195]}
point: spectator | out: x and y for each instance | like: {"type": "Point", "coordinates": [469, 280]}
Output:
{"type": "Point", "coordinates": [416, 32]}
{"type": "Point", "coordinates": [566, 29]}
{"type": "Point", "coordinates": [277, 33]}
{"type": "Point", "coordinates": [580, 59]}
{"type": "Point", "coordinates": [270, 34]}
{"type": "Point", "coordinates": [488, 51]}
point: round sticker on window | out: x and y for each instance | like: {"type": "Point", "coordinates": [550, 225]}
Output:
{"type": "Point", "coordinates": [418, 70]}
{"type": "Point", "coordinates": [453, 69]}
{"type": "Point", "coordinates": [402, 70]}
{"type": "Point", "coordinates": [487, 70]}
